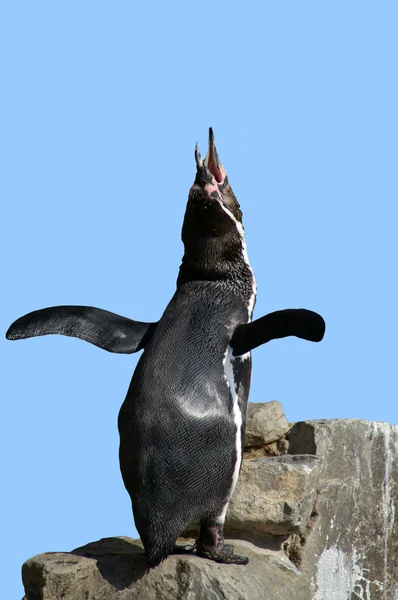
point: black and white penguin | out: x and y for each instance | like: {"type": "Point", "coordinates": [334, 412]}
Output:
{"type": "Point", "coordinates": [182, 423]}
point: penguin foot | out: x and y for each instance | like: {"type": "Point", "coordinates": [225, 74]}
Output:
{"type": "Point", "coordinates": [211, 545]}
{"type": "Point", "coordinates": [225, 556]}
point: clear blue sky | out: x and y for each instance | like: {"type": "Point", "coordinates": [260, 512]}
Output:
{"type": "Point", "coordinates": [101, 106]}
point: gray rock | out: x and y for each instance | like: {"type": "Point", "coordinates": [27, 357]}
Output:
{"type": "Point", "coordinates": [352, 549]}
{"type": "Point", "coordinates": [265, 423]}
{"type": "Point", "coordinates": [273, 496]}
{"type": "Point", "coordinates": [335, 518]}
{"type": "Point", "coordinates": [115, 569]}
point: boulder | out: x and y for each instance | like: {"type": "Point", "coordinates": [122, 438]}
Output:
{"type": "Point", "coordinates": [351, 551]}
{"type": "Point", "coordinates": [265, 423]}
{"type": "Point", "coordinates": [115, 569]}
{"type": "Point", "coordinates": [273, 496]}
{"type": "Point", "coordinates": [317, 523]}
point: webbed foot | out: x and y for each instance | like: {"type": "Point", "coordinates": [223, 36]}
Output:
{"type": "Point", "coordinates": [225, 555]}
{"type": "Point", "coordinates": [211, 545]}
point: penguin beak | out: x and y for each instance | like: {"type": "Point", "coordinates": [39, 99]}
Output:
{"type": "Point", "coordinates": [211, 163]}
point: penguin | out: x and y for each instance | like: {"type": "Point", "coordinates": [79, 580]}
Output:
{"type": "Point", "coordinates": [182, 423]}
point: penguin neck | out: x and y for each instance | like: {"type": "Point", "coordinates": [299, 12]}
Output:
{"type": "Point", "coordinates": [207, 264]}
{"type": "Point", "coordinates": [215, 249]}
{"type": "Point", "coordinates": [219, 260]}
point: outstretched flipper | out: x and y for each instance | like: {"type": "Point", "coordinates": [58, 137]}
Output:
{"type": "Point", "coordinates": [300, 322]}
{"type": "Point", "coordinates": [104, 329]}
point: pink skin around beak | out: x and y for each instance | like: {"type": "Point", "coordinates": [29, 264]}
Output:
{"type": "Point", "coordinates": [213, 166]}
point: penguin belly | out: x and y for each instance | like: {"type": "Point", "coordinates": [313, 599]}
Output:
{"type": "Point", "coordinates": [181, 425]}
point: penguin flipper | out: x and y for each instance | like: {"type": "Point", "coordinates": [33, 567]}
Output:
{"type": "Point", "coordinates": [300, 322]}
{"type": "Point", "coordinates": [104, 329]}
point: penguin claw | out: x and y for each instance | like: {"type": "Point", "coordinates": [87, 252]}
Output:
{"type": "Point", "coordinates": [225, 556]}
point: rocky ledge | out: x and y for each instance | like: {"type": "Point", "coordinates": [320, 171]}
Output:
{"type": "Point", "coordinates": [314, 510]}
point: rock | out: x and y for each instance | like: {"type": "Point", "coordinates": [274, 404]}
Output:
{"type": "Point", "coordinates": [115, 569]}
{"type": "Point", "coordinates": [265, 423]}
{"type": "Point", "coordinates": [273, 496]}
{"type": "Point", "coordinates": [351, 551]}
{"type": "Point", "coordinates": [319, 523]}
{"type": "Point", "coordinates": [277, 448]}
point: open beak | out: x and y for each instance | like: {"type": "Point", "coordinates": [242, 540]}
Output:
{"type": "Point", "coordinates": [211, 162]}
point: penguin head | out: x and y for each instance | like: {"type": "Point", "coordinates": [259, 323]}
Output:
{"type": "Point", "coordinates": [211, 181]}
{"type": "Point", "coordinates": [212, 231]}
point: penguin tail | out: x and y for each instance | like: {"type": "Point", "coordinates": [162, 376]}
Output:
{"type": "Point", "coordinates": [159, 538]}
{"type": "Point", "coordinates": [157, 551]}
{"type": "Point", "coordinates": [158, 527]}
{"type": "Point", "coordinates": [155, 556]}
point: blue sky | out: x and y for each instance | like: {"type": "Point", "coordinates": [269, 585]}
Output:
{"type": "Point", "coordinates": [102, 104]}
